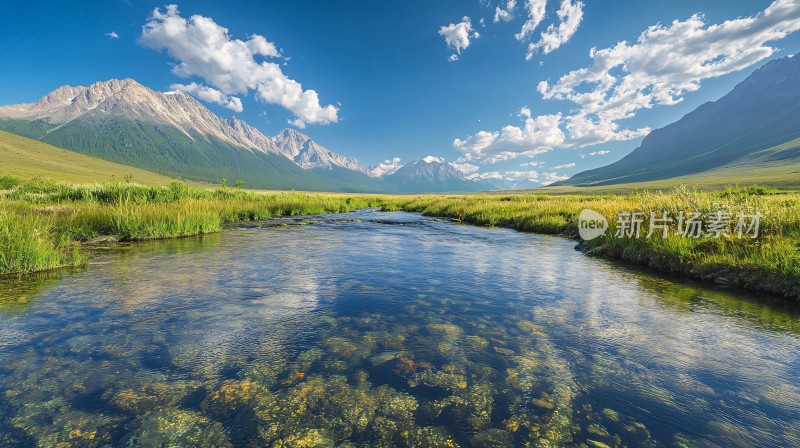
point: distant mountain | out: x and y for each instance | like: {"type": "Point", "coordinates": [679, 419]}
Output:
{"type": "Point", "coordinates": [169, 133]}
{"type": "Point", "coordinates": [132, 101]}
{"type": "Point", "coordinates": [431, 174]}
{"type": "Point", "coordinates": [308, 154]}
{"type": "Point", "coordinates": [762, 112]}
{"type": "Point", "coordinates": [173, 134]}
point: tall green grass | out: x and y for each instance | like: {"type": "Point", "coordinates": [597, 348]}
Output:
{"type": "Point", "coordinates": [42, 222]}
{"type": "Point", "coordinates": [33, 242]}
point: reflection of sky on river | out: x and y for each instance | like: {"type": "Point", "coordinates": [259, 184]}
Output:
{"type": "Point", "coordinates": [679, 355]}
{"type": "Point", "coordinates": [637, 339]}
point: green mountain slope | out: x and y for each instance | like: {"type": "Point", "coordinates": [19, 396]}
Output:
{"type": "Point", "coordinates": [760, 113]}
{"type": "Point", "coordinates": [168, 151]}
{"type": "Point", "coordinates": [24, 157]}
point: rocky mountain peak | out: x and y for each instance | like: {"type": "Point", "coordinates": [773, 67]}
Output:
{"type": "Point", "coordinates": [310, 155]}
{"type": "Point", "coordinates": [128, 99]}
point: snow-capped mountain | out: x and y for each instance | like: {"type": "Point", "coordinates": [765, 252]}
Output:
{"type": "Point", "coordinates": [431, 174]}
{"type": "Point", "coordinates": [131, 100]}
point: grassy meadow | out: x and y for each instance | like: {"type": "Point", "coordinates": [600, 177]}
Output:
{"type": "Point", "coordinates": [45, 224]}
{"type": "Point", "coordinates": [28, 158]}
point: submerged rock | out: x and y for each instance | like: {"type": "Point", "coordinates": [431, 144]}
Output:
{"type": "Point", "coordinates": [439, 379]}
{"type": "Point", "coordinates": [493, 438]}
{"type": "Point", "coordinates": [232, 395]}
{"type": "Point", "coordinates": [404, 366]}
{"type": "Point", "coordinates": [102, 240]}
{"type": "Point", "coordinates": [338, 411]}
{"type": "Point", "coordinates": [177, 428]}
{"type": "Point", "coordinates": [430, 436]}
{"type": "Point", "coordinates": [150, 396]}
{"type": "Point", "coordinates": [611, 414]}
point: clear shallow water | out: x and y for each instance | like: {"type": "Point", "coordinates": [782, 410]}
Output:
{"type": "Point", "coordinates": [387, 329]}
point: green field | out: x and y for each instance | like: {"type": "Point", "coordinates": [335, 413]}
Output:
{"type": "Point", "coordinates": [27, 158]}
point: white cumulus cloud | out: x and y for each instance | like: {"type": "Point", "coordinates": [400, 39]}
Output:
{"type": "Point", "coordinates": [570, 15]}
{"type": "Point", "coordinates": [505, 14]}
{"type": "Point", "coordinates": [549, 178]}
{"type": "Point", "coordinates": [536, 136]}
{"type": "Point", "coordinates": [658, 69]}
{"type": "Point", "coordinates": [205, 49]}
{"type": "Point", "coordinates": [564, 166]}
{"type": "Point", "coordinates": [388, 166]}
{"type": "Point", "coordinates": [458, 36]}
{"type": "Point", "coordinates": [466, 168]}
{"type": "Point", "coordinates": [597, 153]}
{"type": "Point", "coordinates": [210, 95]}
{"type": "Point", "coordinates": [112, 35]}
{"type": "Point", "coordinates": [489, 175]}
{"type": "Point", "coordinates": [432, 159]}
{"type": "Point", "coordinates": [668, 61]}
{"type": "Point", "coordinates": [585, 130]}
{"type": "Point", "coordinates": [532, 176]}
{"type": "Point", "coordinates": [536, 9]}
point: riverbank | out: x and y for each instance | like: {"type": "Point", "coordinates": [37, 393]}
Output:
{"type": "Point", "coordinates": [768, 263]}
{"type": "Point", "coordinates": [43, 225]}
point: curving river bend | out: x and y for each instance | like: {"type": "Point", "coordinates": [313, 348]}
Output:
{"type": "Point", "coordinates": [388, 329]}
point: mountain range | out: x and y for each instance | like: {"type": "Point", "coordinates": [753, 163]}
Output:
{"type": "Point", "coordinates": [750, 135]}
{"type": "Point", "coordinates": [753, 129]}
{"type": "Point", "coordinates": [173, 134]}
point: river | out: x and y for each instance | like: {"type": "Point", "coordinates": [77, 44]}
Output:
{"type": "Point", "coordinates": [388, 329]}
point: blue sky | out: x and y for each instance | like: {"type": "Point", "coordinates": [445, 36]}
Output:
{"type": "Point", "coordinates": [386, 86]}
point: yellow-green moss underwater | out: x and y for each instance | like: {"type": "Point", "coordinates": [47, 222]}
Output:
{"type": "Point", "coordinates": [769, 263]}
{"type": "Point", "coordinates": [43, 224]}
